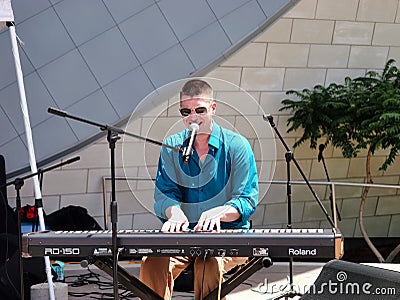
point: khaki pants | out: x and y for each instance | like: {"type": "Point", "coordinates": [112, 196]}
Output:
{"type": "Point", "coordinates": [159, 273]}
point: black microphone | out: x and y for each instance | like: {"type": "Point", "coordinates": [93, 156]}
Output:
{"type": "Point", "coordinates": [187, 152]}
{"type": "Point", "coordinates": [321, 148]}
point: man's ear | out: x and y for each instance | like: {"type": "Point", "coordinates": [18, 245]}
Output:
{"type": "Point", "coordinates": [213, 107]}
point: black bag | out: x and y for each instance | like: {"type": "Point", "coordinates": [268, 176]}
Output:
{"type": "Point", "coordinates": [72, 218]}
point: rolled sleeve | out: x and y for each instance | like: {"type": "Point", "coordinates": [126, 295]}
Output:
{"type": "Point", "coordinates": [244, 180]}
{"type": "Point", "coordinates": [167, 192]}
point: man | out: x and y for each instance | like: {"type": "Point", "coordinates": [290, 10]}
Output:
{"type": "Point", "coordinates": [217, 189]}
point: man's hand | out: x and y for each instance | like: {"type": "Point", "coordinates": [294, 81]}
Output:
{"type": "Point", "coordinates": [212, 218]}
{"type": "Point", "coordinates": [177, 221]}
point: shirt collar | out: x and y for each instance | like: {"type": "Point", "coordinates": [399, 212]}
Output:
{"type": "Point", "coordinates": [215, 136]}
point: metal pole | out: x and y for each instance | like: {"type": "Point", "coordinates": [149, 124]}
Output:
{"type": "Point", "coordinates": [31, 151]}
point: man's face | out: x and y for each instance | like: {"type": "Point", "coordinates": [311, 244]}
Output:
{"type": "Point", "coordinates": [198, 109]}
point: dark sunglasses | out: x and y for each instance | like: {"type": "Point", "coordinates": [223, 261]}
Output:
{"type": "Point", "coordinates": [202, 110]}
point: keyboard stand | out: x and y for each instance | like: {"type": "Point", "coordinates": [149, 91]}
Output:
{"type": "Point", "coordinates": [125, 278]}
{"type": "Point", "coordinates": [131, 283]}
{"type": "Point", "coordinates": [253, 265]}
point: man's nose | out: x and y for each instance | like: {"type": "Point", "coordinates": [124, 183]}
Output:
{"type": "Point", "coordinates": [193, 114]}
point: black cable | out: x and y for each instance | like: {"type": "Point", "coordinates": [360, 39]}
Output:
{"type": "Point", "coordinates": [202, 279]}
{"type": "Point", "coordinates": [95, 278]}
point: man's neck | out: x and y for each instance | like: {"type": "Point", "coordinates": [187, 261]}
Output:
{"type": "Point", "coordinates": [202, 140]}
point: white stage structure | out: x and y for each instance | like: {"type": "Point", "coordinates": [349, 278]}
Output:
{"type": "Point", "coordinates": [7, 19]}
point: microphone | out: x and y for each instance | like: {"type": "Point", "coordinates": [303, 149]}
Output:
{"type": "Point", "coordinates": [188, 151]}
{"type": "Point", "coordinates": [321, 148]}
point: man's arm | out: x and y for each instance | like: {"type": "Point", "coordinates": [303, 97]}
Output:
{"type": "Point", "coordinates": [167, 195]}
{"type": "Point", "coordinates": [244, 180]}
{"type": "Point", "coordinates": [244, 191]}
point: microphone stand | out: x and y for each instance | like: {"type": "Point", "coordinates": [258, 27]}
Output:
{"type": "Point", "coordinates": [290, 157]}
{"type": "Point", "coordinates": [18, 184]}
{"type": "Point", "coordinates": [112, 138]}
{"type": "Point", "coordinates": [333, 207]}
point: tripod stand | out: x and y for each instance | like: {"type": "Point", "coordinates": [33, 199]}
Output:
{"type": "Point", "coordinates": [290, 157]}
{"type": "Point", "coordinates": [18, 184]}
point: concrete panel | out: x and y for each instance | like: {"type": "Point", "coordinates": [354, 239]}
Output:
{"type": "Point", "coordinates": [312, 211]}
{"type": "Point", "coordinates": [368, 57]}
{"type": "Point", "coordinates": [65, 182]}
{"type": "Point", "coordinates": [237, 103]}
{"type": "Point", "coordinates": [277, 213]}
{"type": "Point", "coordinates": [377, 11]}
{"type": "Point", "coordinates": [263, 79]}
{"type": "Point", "coordinates": [358, 165]}
{"type": "Point", "coordinates": [338, 75]}
{"type": "Point", "coordinates": [347, 227]}
{"type": "Point", "coordinates": [386, 35]}
{"type": "Point", "coordinates": [298, 79]}
{"type": "Point", "coordinates": [252, 55]}
{"type": "Point", "coordinates": [312, 31]}
{"type": "Point", "coordinates": [287, 55]}
{"type": "Point", "coordinates": [337, 168]}
{"type": "Point", "coordinates": [146, 221]}
{"type": "Point", "coordinates": [388, 205]}
{"type": "Point", "coordinates": [229, 74]}
{"type": "Point", "coordinates": [324, 56]}
{"type": "Point", "coordinates": [374, 226]}
{"type": "Point", "coordinates": [92, 202]}
{"type": "Point", "coordinates": [351, 206]}
{"type": "Point", "coordinates": [271, 102]}
{"type": "Point", "coordinates": [333, 10]}
{"type": "Point", "coordinates": [394, 228]}
{"type": "Point", "coordinates": [277, 33]}
{"type": "Point", "coordinates": [353, 33]}
{"type": "Point", "coordinates": [304, 9]}
{"type": "Point", "coordinates": [394, 52]}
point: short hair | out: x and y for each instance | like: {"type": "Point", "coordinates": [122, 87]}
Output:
{"type": "Point", "coordinates": [196, 87]}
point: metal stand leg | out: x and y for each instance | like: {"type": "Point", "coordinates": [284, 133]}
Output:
{"type": "Point", "coordinates": [252, 266]}
{"type": "Point", "coordinates": [141, 290]}
{"type": "Point", "coordinates": [129, 281]}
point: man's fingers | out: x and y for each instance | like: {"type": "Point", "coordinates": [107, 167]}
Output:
{"type": "Point", "coordinates": [185, 226]}
{"type": "Point", "coordinates": [199, 225]}
{"type": "Point", "coordinates": [218, 224]}
{"type": "Point", "coordinates": [206, 224]}
{"type": "Point", "coordinates": [165, 227]}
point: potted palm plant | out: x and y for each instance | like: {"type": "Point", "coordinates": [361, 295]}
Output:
{"type": "Point", "coordinates": [360, 114]}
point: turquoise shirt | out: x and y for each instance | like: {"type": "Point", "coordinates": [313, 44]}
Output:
{"type": "Point", "coordinates": [228, 176]}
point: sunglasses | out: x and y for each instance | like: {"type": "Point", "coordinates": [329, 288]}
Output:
{"type": "Point", "coordinates": [202, 110]}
